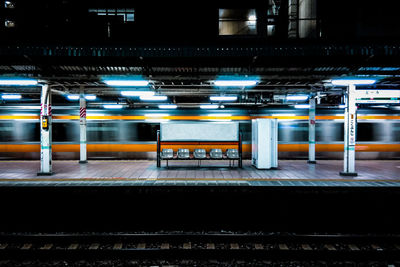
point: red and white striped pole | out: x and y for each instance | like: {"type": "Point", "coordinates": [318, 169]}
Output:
{"type": "Point", "coordinates": [82, 125]}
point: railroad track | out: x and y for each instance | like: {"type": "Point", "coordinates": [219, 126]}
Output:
{"type": "Point", "coordinates": [199, 246]}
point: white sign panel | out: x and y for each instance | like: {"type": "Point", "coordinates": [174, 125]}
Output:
{"type": "Point", "coordinates": [377, 101]}
{"type": "Point", "coordinates": [199, 131]}
{"type": "Point", "coordinates": [377, 93]}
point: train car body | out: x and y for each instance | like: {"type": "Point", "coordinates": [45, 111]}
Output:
{"type": "Point", "coordinates": [131, 133]}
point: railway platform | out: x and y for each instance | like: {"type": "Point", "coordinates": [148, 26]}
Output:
{"type": "Point", "coordinates": [214, 173]}
{"type": "Point", "coordinates": [138, 196]}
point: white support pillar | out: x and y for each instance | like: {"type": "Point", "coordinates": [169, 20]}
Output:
{"type": "Point", "coordinates": [45, 131]}
{"type": "Point", "coordinates": [350, 126]}
{"type": "Point", "coordinates": [311, 131]}
{"type": "Point", "coordinates": [82, 122]}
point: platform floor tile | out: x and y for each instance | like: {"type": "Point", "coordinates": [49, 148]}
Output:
{"type": "Point", "coordinates": [145, 173]}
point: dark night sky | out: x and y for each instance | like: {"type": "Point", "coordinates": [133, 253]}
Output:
{"type": "Point", "coordinates": [197, 21]}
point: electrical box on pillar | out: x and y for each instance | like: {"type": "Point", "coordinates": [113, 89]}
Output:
{"type": "Point", "coordinates": [45, 123]}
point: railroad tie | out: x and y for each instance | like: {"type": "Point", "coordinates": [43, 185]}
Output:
{"type": "Point", "coordinates": [117, 246]}
{"type": "Point", "coordinates": [210, 246]}
{"type": "Point", "coordinates": [94, 246]}
{"type": "Point", "coordinates": [283, 247]}
{"type": "Point", "coordinates": [306, 247]}
{"type": "Point", "coordinates": [46, 246]}
{"type": "Point", "coordinates": [376, 247]}
{"type": "Point", "coordinates": [26, 246]}
{"type": "Point", "coordinates": [73, 246]}
{"type": "Point", "coordinates": [234, 246]}
{"type": "Point", "coordinates": [165, 246]}
{"type": "Point", "coordinates": [258, 246]}
{"type": "Point", "coordinates": [329, 247]}
{"type": "Point", "coordinates": [353, 247]}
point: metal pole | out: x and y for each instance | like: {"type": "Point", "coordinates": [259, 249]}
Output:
{"type": "Point", "coordinates": [350, 126]}
{"type": "Point", "coordinates": [311, 131]}
{"type": "Point", "coordinates": [158, 150]}
{"type": "Point", "coordinates": [240, 150]}
{"type": "Point", "coordinates": [45, 131]}
{"type": "Point", "coordinates": [82, 125]}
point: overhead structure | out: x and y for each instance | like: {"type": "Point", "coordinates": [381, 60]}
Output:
{"type": "Point", "coordinates": [45, 131]}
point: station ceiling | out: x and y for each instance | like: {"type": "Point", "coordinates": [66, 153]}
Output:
{"type": "Point", "coordinates": [186, 73]}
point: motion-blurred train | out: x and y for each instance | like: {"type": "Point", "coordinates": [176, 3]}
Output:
{"type": "Point", "coordinates": [131, 133]}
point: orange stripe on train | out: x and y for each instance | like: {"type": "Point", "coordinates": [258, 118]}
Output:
{"type": "Point", "coordinates": [243, 118]}
{"type": "Point", "coordinates": [153, 147]}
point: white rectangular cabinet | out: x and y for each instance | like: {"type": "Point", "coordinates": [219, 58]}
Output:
{"type": "Point", "coordinates": [264, 145]}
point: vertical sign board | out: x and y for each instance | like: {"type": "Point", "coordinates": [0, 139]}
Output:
{"type": "Point", "coordinates": [350, 124]}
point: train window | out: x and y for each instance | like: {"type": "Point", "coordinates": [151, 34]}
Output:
{"type": "Point", "coordinates": [103, 131]}
{"type": "Point", "coordinates": [365, 131]}
{"type": "Point", "coordinates": [245, 129]}
{"type": "Point", "coordinates": [28, 131]}
{"type": "Point", "coordinates": [18, 131]}
{"type": "Point", "coordinates": [147, 131]}
{"type": "Point", "coordinates": [6, 131]}
{"type": "Point", "coordinates": [65, 132]}
{"type": "Point", "coordinates": [329, 131]}
{"type": "Point", "coordinates": [293, 132]}
{"type": "Point", "coordinates": [396, 132]}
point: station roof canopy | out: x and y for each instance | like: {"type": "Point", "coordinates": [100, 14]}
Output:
{"type": "Point", "coordinates": [188, 73]}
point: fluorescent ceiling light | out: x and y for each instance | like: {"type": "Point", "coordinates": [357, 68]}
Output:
{"type": "Point", "coordinates": [90, 97]}
{"type": "Point", "coordinates": [209, 106]}
{"type": "Point", "coordinates": [153, 98]}
{"type": "Point", "coordinates": [346, 82]}
{"type": "Point", "coordinates": [302, 106]}
{"type": "Point", "coordinates": [21, 82]}
{"type": "Point", "coordinates": [168, 106]}
{"type": "Point", "coordinates": [11, 96]}
{"type": "Point", "coordinates": [342, 106]}
{"type": "Point", "coordinates": [296, 97]}
{"type": "Point", "coordinates": [73, 97]}
{"type": "Point", "coordinates": [113, 106]}
{"type": "Point", "coordinates": [223, 98]}
{"type": "Point", "coordinates": [126, 82]}
{"type": "Point", "coordinates": [235, 82]}
{"type": "Point", "coordinates": [137, 93]}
